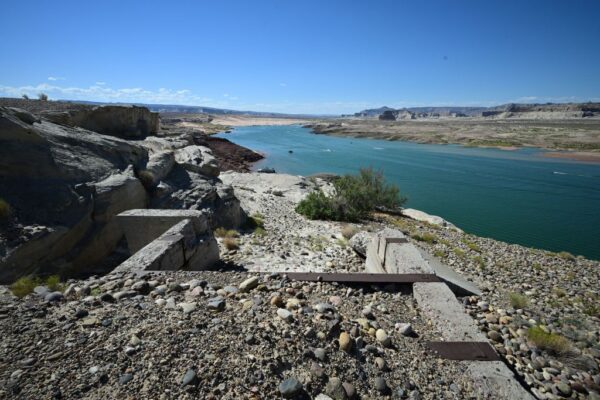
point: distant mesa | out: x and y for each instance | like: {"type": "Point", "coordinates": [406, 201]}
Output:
{"type": "Point", "coordinates": [511, 110]}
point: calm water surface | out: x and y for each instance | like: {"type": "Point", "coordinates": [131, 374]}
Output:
{"type": "Point", "coordinates": [513, 196]}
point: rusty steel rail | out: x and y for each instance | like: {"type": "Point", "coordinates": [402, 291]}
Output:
{"type": "Point", "coordinates": [360, 277]}
{"type": "Point", "coordinates": [464, 351]}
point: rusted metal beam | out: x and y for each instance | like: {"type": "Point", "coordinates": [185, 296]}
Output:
{"type": "Point", "coordinates": [361, 277]}
{"type": "Point", "coordinates": [464, 351]}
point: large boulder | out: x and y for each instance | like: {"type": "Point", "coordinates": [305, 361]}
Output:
{"type": "Point", "coordinates": [119, 192]}
{"type": "Point", "coordinates": [198, 159]}
{"type": "Point", "coordinates": [121, 121]}
{"type": "Point", "coordinates": [46, 175]}
{"type": "Point", "coordinates": [158, 167]}
{"type": "Point", "coordinates": [421, 216]}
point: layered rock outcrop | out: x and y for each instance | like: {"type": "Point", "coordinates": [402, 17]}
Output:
{"type": "Point", "coordinates": [65, 184]}
{"type": "Point", "coordinates": [122, 121]}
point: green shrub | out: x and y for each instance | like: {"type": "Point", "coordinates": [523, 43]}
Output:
{"type": "Point", "coordinates": [43, 96]}
{"type": "Point", "coordinates": [5, 209]}
{"type": "Point", "coordinates": [439, 254]}
{"type": "Point", "coordinates": [260, 232]}
{"type": "Point", "coordinates": [426, 237]}
{"type": "Point", "coordinates": [518, 300]}
{"type": "Point", "coordinates": [53, 283]}
{"type": "Point", "coordinates": [355, 196]}
{"type": "Point", "coordinates": [548, 341]}
{"type": "Point", "coordinates": [318, 206]}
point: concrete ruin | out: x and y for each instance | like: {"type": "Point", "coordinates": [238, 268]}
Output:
{"type": "Point", "coordinates": [390, 252]}
{"type": "Point", "coordinates": [163, 240]}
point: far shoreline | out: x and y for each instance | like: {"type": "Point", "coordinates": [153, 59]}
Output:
{"type": "Point", "coordinates": [580, 156]}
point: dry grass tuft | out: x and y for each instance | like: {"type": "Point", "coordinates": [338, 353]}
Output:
{"type": "Point", "coordinates": [231, 243]}
{"type": "Point", "coordinates": [226, 233]}
{"type": "Point", "coordinates": [348, 231]}
{"type": "Point", "coordinates": [548, 341]}
{"type": "Point", "coordinates": [518, 301]}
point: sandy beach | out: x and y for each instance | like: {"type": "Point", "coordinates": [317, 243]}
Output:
{"type": "Point", "coordinates": [248, 120]}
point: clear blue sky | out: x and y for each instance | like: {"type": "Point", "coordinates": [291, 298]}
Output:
{"type": "Point", "coordinates": [302, 56]}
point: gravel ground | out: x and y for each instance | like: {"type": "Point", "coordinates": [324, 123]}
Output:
{"type": "Point", "coordinates": [289, 241]}
{"type": "Point", "coordinates": [218, 335]}
{"type": "Point", "coordinates": [247, 349]}
{"type": "Point", "coordinates": [560, 293]}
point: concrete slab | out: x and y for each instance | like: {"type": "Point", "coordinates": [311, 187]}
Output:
{"type": "Point", "coordinates": [390, 252]}
{"type": "Point", "coordinates": [491, 379]}
{"type": "Point", "coordinates": [142, 226]}
{"type": "Point", "coordinates": [179, 248]}
{"type": "Point", "coordinates": [459, 284]}
{"type": "Point", "coordinates": [439, 304]}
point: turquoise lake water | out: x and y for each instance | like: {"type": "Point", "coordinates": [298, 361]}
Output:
{"type": "Point", "coordinates": [513, 196]}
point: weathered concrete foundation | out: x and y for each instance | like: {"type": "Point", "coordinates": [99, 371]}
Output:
{"type": "Point", "coordinates": [167, 240]}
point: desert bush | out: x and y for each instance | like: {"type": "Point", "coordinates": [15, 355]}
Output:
{"type": "Point", "coordinates": [260, 232]}
{"type": "Point", "coordinates": [517, 300]}
{"type": "Point", "coordinates": [25, 285]}
{"type": "Point", "coordinates": [43, 97]}
{"type": "Point", "coordinates": [231, 243]}
{"type": "Point", "coordinates": [355, 196]}
{"type": "Point", "coordinates": [5, 209]}
{"type": "Point", "coordinates": [348, 231]}
{"type": "Point", "coordinates": [25, 97]}
{"type": "Point", "coordinates": [53, 283]}
{"type": "Point", "coordinates": [548, 341]}
{"type": "Point", "coordinates": [439, 254]}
